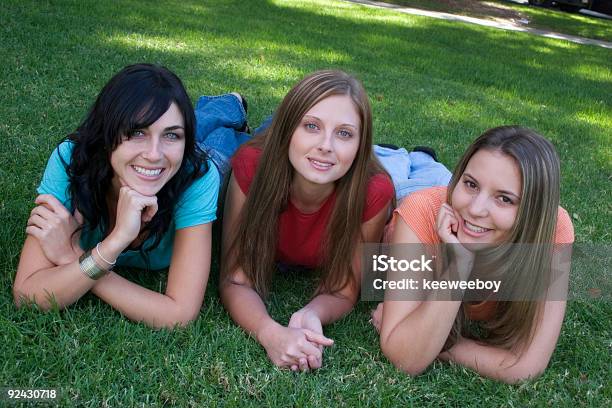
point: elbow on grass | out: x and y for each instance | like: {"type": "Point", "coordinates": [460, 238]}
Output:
{"type": "Point", "coordinates": [180, 319]}
{"type": "Point", "coordinates": [413, 369]}
{"type": "Point", "coordinates": [18, 296]}
{"type": "Point", "coordinates": [23, 298]}
{"type": "Point", "coordinates": [523, 372]}
{"type": "Point", "coordinates": [186, 319]}
{"type": "Point", "coordinates": [409, 363]}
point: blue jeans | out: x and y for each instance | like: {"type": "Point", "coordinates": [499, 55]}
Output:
{"type": "Point", "coordinates": [220, 118]}
{"type": "Point", "coordinates": [218, 123]}
{"type": "Point", "coordinates": [411, 171]}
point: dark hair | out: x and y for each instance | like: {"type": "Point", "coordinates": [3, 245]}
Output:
{"type": "Point", "coordinates": [133, 99]}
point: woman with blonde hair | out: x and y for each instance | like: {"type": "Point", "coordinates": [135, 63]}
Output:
{"type": "Point", "coordinates": [304, 193]}
{"type": "Point", "coordinates": [505, 190]}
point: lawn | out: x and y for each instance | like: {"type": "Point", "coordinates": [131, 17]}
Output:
{"type": "Point", "coordinates": [551, 19]}
{"type": "Point", "coordinates": [431, 82]}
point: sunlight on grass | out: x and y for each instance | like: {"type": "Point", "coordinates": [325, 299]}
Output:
{"type": "Point", "coordinates": [322, 7]}
{"type": "Point", "coordinates": [227, 47]}
{"type": "Point", "coordinates": [595, 73]}
{"type": "Point", "coordinates": [540, 18]}
{"type": "Point", "coordinates": [283, 75]}
{"type": "Point", "coordinates": [324, 53]}
{"type": "Point", "coordinates": [352, 11]}
{"type": "Point", "coordinates": [542, 49]}
{"type": "Point", "coordinates": [597, 114]}
{"type": "Point", "coordinates": [449, 111]}
{"type": "Point", "coordinates": [569, 23]}
{"type": "Point", "coordinates": [156, 43]}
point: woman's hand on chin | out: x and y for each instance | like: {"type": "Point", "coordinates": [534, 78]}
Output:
{"type": "Point", "coordinates": [448, 225]}
{"type": "Point", "coordinates": [54, 227]}
{"type": "Point", "coordinates": [133, 209]}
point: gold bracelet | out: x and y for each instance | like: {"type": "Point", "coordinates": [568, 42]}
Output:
{"type": "Point", "coordinates": [89, 266]}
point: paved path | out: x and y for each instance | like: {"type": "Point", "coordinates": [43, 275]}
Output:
{"type": "Point", "coordinates": [488, 23]}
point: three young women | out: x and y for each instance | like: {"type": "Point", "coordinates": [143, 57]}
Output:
{"type": "Point", "coordinates": [130, 187]}
{"type": "Point", "coordinates": [505, 190]}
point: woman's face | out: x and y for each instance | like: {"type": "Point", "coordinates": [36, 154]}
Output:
{"type": "Point", "coordinates": [487, 197]}
{"type": "Point", "coordinates": [147, 158]}
{"type": "Point", "coordinates": [326, 141]}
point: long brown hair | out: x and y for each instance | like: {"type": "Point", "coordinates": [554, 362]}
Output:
{"type": "Point", "coordinates": [255, 242]}
{"type": "Point", "coordinates": [535, 223]}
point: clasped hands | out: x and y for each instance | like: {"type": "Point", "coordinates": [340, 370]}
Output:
{"type": "Point", "coordinates": [299, 346]}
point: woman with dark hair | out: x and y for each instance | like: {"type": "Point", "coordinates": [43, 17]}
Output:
{"type": "Point", "coordinates": [129, 188]}
{"type": "Point", "coordinates": [499, 219]}
{"type": "Point", "coordinates": [305, 193]}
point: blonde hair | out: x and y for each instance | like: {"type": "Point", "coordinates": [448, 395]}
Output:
{"type": "Point", "coordinates": [535, 223]}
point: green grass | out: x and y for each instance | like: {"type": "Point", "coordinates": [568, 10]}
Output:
{"type": "Point", "coordinates": [431, 82]}
{"type": "Point", "coordinates": [551, 19]}
{"type": "Point", "coordinates": [567, 23]}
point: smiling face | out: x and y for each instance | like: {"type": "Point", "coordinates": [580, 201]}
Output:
{"type": "Point", "coordinates": [487, 198]}
{"type": "Point", "coordinates": [147, 158]}
{"type": "Point", "coordinates": [326, 141]}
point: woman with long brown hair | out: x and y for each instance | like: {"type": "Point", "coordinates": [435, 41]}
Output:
{"type": "Point", "coordinates": [505, 190]}
{"type": "Point", "coordinates": [305, 193]}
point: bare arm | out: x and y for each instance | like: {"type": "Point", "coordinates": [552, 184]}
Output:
{"type": "Point", "coordinates": [66, 283]}
{"type": "Point", "coordinates": [187, 279]}
{"type": "Point", "coordinates": [48, 269]}
{"type": "Point", "coordinates": [237, 294]}
{"type": "Point", "coordinates": [505, 365]}
{"type": "Point", "coordinates": [331, 307]}
{"type": "Point", "coordinates": [412, 333]}
{"type": "Point", "coordinates": [51, 271]}
{"type": "Point", "coordinates": [41, 281]}
{"type": "Point", "coordinates": [285, 346]}
{"type": "Point", "coordinates": [327, 308]}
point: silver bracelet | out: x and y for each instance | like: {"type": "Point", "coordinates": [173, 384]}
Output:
{"type": "Point", "coordinates": [103, 258]}
{"type": "Point", "coordinates": [89, 267]}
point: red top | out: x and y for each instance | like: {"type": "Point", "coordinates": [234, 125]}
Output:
{"type": "Point", "coordinates": [301, 234]}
